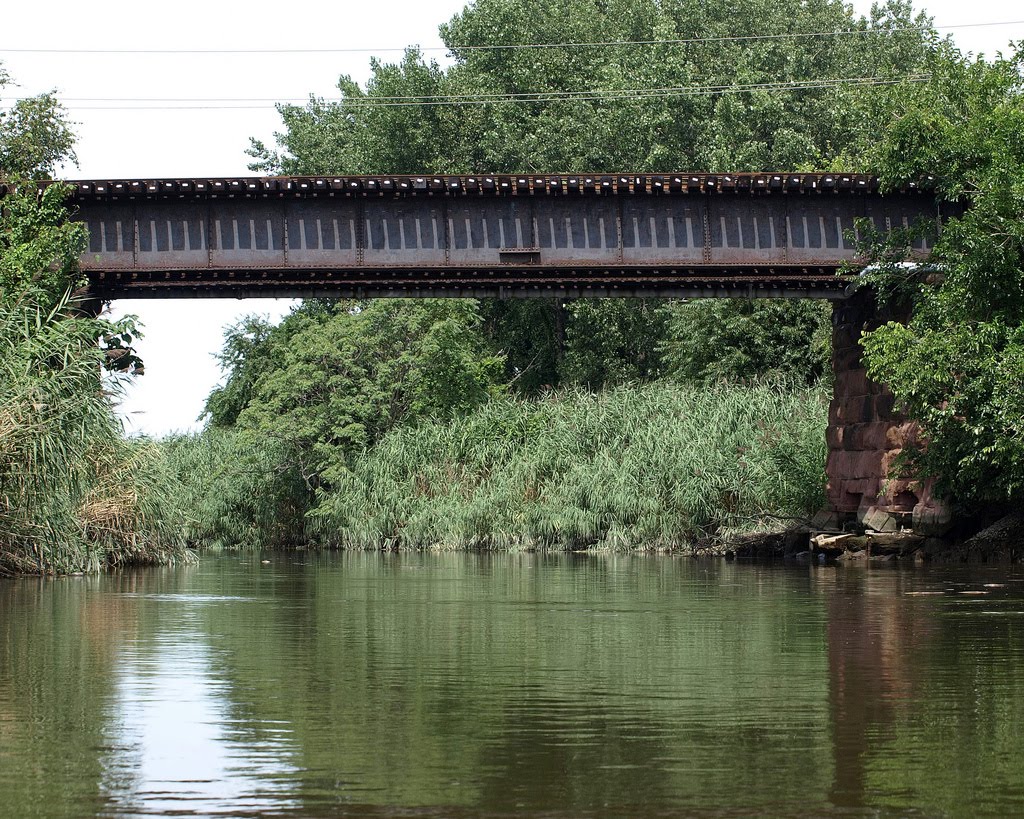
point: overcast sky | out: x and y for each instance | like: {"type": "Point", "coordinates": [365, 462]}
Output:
{"type": "Point", "coordinates": [180, 336]}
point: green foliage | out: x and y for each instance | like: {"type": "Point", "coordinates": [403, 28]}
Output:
{"type": "Point", "coordinates": [39, 248]}
{"type": "Point", "coordinates": [958, 365]}
{"type": "Point", "coordinates": [237, 490]}
{"type": "Point", "coordinates": [611, 342]}
{"type": "Point", "coordinates": [531, 334]}
{"type": "Point", "coordinates": [614, 341]}
{"type": "Point", "coordinates": [731, 339]}
{"type": "Point", "coordinates": [632, 467]}
{"type": "Point", "coordinates": [74, 495]}
{"type": "Point", "coordinates": [249, 352]}
{"type": "Point", "coordinates": [34, 136]}
{"type": "Point", "coordinates": [333, 380]}
{"type": "Point", "coordinates": [753, 130]}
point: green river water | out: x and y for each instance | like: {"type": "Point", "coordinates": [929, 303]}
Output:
{"type": "Point", "coordinates": [367, 684]}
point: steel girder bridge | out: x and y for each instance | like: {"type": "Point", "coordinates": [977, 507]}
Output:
{"type": "Point", "coordinates": [682, 235]}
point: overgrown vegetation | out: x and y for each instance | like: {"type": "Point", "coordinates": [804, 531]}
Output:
{"type": "Point", "coordinates": [958, 365]}
{"type": "Point", "coordinates": [633, 467]}
{"type": "Point", "coordinates": [74, 494]}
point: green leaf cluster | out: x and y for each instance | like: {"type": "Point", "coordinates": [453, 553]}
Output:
{"type": "Point", "coordinates": [743, 340]}
{"type": "Point", "coordinates": [35, 136]}
{"type": "Point", "coordinates": [957, 366]}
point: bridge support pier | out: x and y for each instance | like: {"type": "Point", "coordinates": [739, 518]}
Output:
{"type": "Point", "coordinates": [866, 434]}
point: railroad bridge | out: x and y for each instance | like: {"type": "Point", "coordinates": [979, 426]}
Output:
{"type": "Point", "coordinates": [761, 235]}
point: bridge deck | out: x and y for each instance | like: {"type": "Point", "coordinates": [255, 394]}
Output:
{"type": "Point", "coordinates": [782, 235]}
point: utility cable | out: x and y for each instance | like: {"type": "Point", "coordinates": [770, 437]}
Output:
{"type": "Point", "coordinates": [531, 97]}
{"type": "Point", "coordinates": [512, 46]}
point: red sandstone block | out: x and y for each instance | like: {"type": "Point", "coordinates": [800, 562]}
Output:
{"type": "Point", "coordinates": [834, 437]}
{"type": "Point", "coordinates": [858, 410]}
{"type": "Point", "coordinates": [847, 357]}
{"type": "Point", "coordinates": [902, 435]}
{"type": "Point", "coordinates": [933, 518]}
{"type": "Point", "coordinates": [851, 437]}
{"type": "Point", "coordinates": [867, 465]}
{"type": "Point", "coordinates": [834, 411]}
{"type": "Point", "coordinates": [839, 464]}
{"type": "Point", "coordinates": [867, 436]}
{"type": "Point", "coordinates": [889, 466]}
{"type": "Point", "coordinates": [862, 486]}
{"type": "Point", "coordinates": [841, 500]}
{"type": "Point", "coordinates": [899, 495]}
{"type": "Point", "coordinates": [856, 471]}
{"type": "Point", "coordinates": [852, 382]}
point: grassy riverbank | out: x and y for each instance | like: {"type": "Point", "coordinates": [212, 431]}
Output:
{"type": "Point", "coordinates": [660, 466]}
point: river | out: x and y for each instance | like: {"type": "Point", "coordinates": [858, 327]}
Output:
{"type": "Point", "coordinates": [423, 685]}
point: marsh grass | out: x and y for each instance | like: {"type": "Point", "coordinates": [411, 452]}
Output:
{"type": "Point", "coordinates": [235, 490]}
{"type": "Point", "coordinates": [659, 466]}
{"type": "Point", "coordinates": [74, 495]}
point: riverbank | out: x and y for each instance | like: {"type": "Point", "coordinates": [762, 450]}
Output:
{"type": "Point", "coordinates": [75, 495]}
{"type": "Point", "coordinates": [974, 541]}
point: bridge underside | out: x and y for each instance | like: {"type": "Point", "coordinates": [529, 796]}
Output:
{"type": "Point", "coordinates": [593, 282]}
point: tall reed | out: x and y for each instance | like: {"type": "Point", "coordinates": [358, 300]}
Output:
{"type": "Point", "coordinates": [237, 490]}
{"type": "Point", "coordinates": [74, 495]}
{"type": "Point", "coordinates": [636, 467]}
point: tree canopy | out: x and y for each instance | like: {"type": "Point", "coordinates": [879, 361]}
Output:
{"type": "Point", "coordinates": [679, 85]}
{"type": "Point", "coordinates": [958, 365]}
{"type": "Point", "coordinates": [648, 85]}
{"type": "Point", "coordinates": [34, 136]}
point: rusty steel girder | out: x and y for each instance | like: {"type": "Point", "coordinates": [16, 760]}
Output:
{"type": "Point", "coordinates": [783, 235]}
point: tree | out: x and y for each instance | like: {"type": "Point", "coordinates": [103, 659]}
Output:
{"type": "Point", "coordinates": [958, 365]}
{"type": "Point", "coordinates": [506, 109]}
{"type": "Point", "coordinates": [332, 380]}
{"type": "Point", "coordinates": [733, 339]}
{"type": "Point", "coordinates": [34, 136]}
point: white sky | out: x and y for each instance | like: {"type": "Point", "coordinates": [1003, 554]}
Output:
{"type": "Point", "coordinates": [182, 335]}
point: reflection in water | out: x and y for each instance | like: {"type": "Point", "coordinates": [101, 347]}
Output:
{"type": "Point", "coordinates": [173, 748]}
{"type": "Point", "coordinates": [924, 691]}
{"type": "Point", "coordinates": [456, 685]}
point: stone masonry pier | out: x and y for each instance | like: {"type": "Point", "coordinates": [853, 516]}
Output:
{"type": "Point", "coordinates": [866, 435]}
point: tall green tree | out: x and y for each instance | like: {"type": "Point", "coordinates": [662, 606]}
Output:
{"type": "Point", "coordinates": [647, 102]}
{"type": "Point", "coordinates": [958, 365]}
{"type": "Point", "coordinates": [34, 136]}
{"type": "Point", "coordinates": [335, 378]}
{"type": "Point", "coordinates": [724, 339]}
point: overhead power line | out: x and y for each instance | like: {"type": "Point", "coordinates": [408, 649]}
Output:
{"type": "Point", "coordinates": [526, 96]}
{"type": "Point", "coordinates": [534, 97]}
{"type": "Point", "coordinates": [512, 46]}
